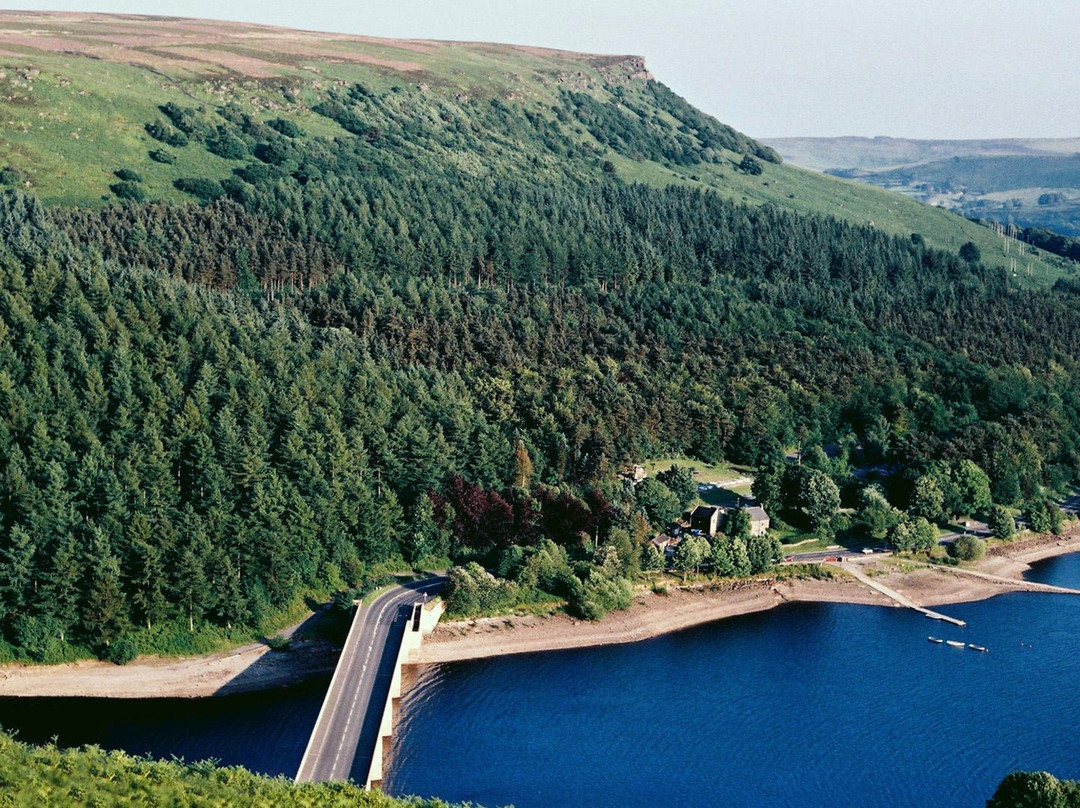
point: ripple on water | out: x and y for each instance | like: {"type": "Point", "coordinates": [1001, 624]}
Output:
{"type": "Point", "coordinates": [811, 704]}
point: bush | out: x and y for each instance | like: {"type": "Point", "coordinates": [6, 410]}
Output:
{"type": "Point", "coordinates": [226, 144]}
{"type": "Point", "coordinates": [279, 643]}
{"type": "Point", "coordinates": [967, 548]}
{"type": "Point", "coordinates": [166, 134]}
{"type": "Point", "coordinates": [206, 190]}
{"type": "Point", "coordinates": [750, 166]}
{"type": "Point", "coordinates": [120, 652]}
{"type": "Point", "coordinates": [127, 175]}
{"type": "Point", "coordinates": [285, 127]}
{"type": "Point", "coordinates": [162, 156]}
{"type": "Point", "coordinates": [1001, 523]}
{"type": "Point", "coordinates": [128, 190]}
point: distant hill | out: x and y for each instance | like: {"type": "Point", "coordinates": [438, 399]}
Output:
{"type": "Point", "coordinates": [1026, 182]}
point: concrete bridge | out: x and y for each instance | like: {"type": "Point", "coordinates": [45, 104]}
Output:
{"type": "Point", "coordinates": [357, 713]}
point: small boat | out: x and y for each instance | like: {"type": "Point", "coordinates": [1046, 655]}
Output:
{"type": "Point", "coordinates": [938, 640]}
{"type": "Point", "coordinates": [954, 643]}
{"type": "Point", "coordinates": [980, 648]}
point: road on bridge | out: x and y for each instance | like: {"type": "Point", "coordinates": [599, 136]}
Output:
{"type": "Point", "coordinates": [345, 732]}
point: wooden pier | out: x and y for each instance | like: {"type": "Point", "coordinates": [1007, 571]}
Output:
{"type": "Point", "coordinates": [903, 600]}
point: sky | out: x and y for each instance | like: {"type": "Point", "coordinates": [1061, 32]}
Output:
{"type": "Point", "coordinates": [771, 68]}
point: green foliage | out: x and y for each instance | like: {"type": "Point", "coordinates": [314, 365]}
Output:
{"type": "Point", "coordinates": [967, 548]}
{"type": "Point", "coordinates": [202, 189]}
{"type": "Point", "coordinates": [162, 156]}
{"type": "Point", "coordinates": [737, 525]}
{"type": "Point", "coordinates": [128, 190]}
{"type": "Point", "coordinates": [388, 311]}
{"type": "Point", "coordinates": [927, 499]}
{"type": "Point", "coordinates": [285, 127]}
{"type": "Point", "coordinates": [912, 534]}
{"type": "Point", "coordinates": [1043, 515]}
{"type": "Point", "coordinates": [1001, 523]}
{"type": "Point", "coordinates": [691, 553]}
{"type": "Point", "coordinates": [33, 776]}
{"type": "Point", "coordinates": [875, 512]}
{"type": "Point", "coordinates": [127, 175]}
{"type": "Point", "coordinates": [820, 498]}
{"type": "Point", "coordinates": [166, 134]}
{"type": "Point", "coordinates": [973, 488]}
{"type": "Point", "coordinates": [680, 481]}
{"type": "Point", "coordinates": [969, 251]}
{"type": "Point", "coordinates": [660, 503]}
{"type": "Point", "coordinates": [226, 143]}
{"type": "Point", "coordinates": [279, 643]}
{"type": "Point", "coordinates": [472, 590]}
{"type": "Point", "coordinates": [1035, 790]}
{"type": "Point", "coordinates": [748, 165]}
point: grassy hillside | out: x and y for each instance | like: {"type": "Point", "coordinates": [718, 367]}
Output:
{"type": "Point", "coordinates": [77, 92]}
{"type": "Point", "coordinates": [37, 776]}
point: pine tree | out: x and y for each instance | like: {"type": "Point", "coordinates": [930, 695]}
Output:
{"type": "Point", "coordinates": [16, 571]}
{"type": "Point", "coordinates": [104, 611]}
{"type": "Point", "coordinates": [147, 575]}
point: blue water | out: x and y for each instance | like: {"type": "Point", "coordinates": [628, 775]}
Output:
{"type": "Point", "coordinates": [266, 732]}
{"type": "Point", "coordinates": [809, 705]}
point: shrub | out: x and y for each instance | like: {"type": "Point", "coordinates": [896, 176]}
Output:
{"type": "Point", "coordinates": [206, 190]}
{"type": "Point", "coordinates": [166, 134]}
{"type": "Point", "coordinates": [128, 190]}
{"type": "Point", "coordinates": [121, 652]}
{"type": "Point", "coordinates": [285, 127]}
{"type": "Point", "coordinates": [279, 643]}
{"type": "Point", "coordinates": [968, 548]}
{"type": "Point", "coordinates": [162, 156]}
{"type": "Point", "coordinates": [1001, 523]}
{"type": "Point", "coordinates": [127, 175]}
{"type": "Point", "coordinates": [225, 143]}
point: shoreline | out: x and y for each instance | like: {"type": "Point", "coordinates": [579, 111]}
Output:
{"type": "Point", "coordinates": [254, 667]}
{"type": "Point", "coordinates": [652, 615]}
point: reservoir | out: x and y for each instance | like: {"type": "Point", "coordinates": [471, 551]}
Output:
{"type": "Point", "coordinates": [807, 705]}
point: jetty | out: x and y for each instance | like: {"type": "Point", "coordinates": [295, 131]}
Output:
{"type": "Point", "coordinates": [903, 600]}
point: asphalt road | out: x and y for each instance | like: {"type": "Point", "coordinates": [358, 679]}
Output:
{"type": "Point", "coordinates": [348, 725]}
{"type": "Point", "coordinates": [821, 555]}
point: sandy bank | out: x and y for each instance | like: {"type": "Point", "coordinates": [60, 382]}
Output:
{"type": "Point", "coordinates": [248, 668]}
{"type": "Point", "coordinates": [652, 615]}
{"type": "Point", "coordinates": [254, 667]}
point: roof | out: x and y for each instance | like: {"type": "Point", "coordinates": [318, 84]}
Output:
{"type": "Point", "coordinates": [705, 511]}
{"type": "Point", "coordinates": [757, 513]}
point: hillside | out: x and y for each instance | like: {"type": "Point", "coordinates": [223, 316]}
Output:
{"type": "Point", "coordinates": [424, 315]}
{"type": "Point", "coordinates": [79, 91]}
{"type": "Point", "coordinates": [34, 776]}
{"type": "Point", "coordinates": [1028, 183]}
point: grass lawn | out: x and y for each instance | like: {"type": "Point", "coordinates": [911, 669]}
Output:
{"type": "Point", "coordinates": [703, 472]}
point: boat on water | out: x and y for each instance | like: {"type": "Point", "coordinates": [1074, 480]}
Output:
{"type": "Point", "coordinates": [938, 640]}
{"type": "Point", "coordinates": [954, 643]}
{"type": "Point", "coordinates": [980, 648]}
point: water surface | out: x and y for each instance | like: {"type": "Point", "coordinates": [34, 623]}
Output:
{"type": "Point", "coordinates": [808, 705]}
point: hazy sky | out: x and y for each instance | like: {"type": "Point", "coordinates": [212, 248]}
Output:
{"type": "Point", "coordinates": [908, 68]}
